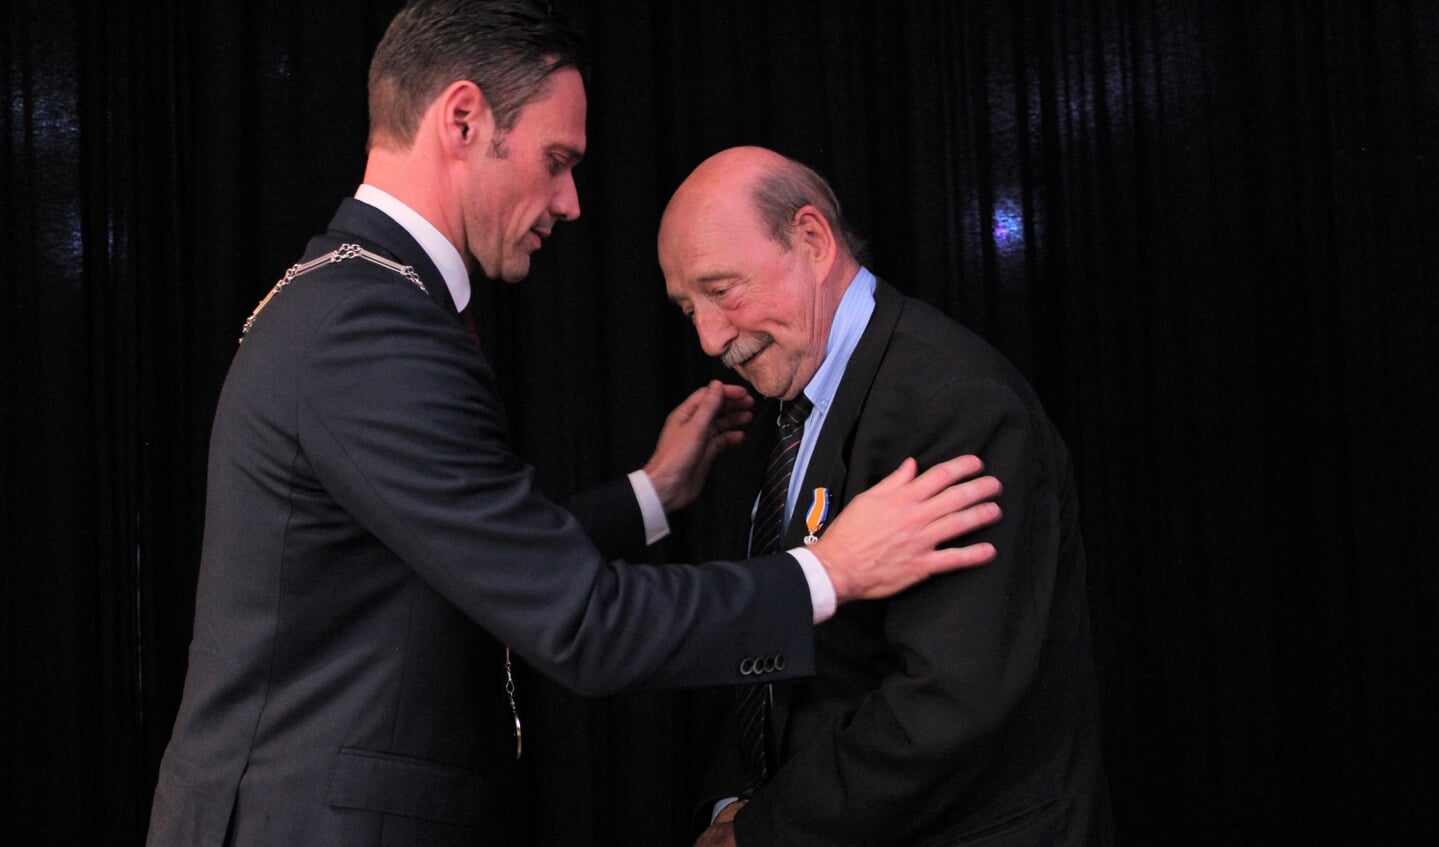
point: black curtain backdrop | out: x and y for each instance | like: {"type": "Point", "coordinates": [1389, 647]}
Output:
{"type": "Point", "coordinates": [1205, 230]}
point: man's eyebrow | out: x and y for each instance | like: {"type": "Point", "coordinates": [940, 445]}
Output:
{"type": "Point", "coordinates": [704, 279]}
{"type": "Point", "coordinates": [716, 276]}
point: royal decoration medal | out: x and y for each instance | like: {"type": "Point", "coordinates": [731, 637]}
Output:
{"type": "Point", "coordinates": [816, 516]}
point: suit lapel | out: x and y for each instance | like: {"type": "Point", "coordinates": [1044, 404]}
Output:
{"type": "Point", "coordinates": [829, 465]}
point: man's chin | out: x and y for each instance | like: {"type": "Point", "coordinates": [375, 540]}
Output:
{"type": "Point", "coordinates": [760, 383]}
{"type": "Point", "coordinates": [516, 272]}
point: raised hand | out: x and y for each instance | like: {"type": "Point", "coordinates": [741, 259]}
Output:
{"type": "Point", "coordinates": [708, 422]}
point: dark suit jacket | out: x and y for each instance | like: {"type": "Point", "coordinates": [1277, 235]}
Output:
{"type": "Point", "coordinates": [371, 542]}
{"type": "Point", "coordinates": [962, 711]}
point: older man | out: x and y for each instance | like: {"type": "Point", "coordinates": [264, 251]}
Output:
{"type": "Point", "coordinates": [372, 544]}
{"type": "Point", "coordinates": [964, 709]}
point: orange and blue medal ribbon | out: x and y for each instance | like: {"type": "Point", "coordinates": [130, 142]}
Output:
{"type": "Point", "coordinates": [816, 516]}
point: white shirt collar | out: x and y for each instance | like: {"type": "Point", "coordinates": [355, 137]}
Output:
{"type": "Point", "coordinates": [435, 244]}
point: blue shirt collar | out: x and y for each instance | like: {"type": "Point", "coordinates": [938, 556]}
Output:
{"type": "Point", "coordinates": [850, 319]}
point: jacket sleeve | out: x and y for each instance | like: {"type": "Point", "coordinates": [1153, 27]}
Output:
{"type": "Point", "coordinates": [610, 515]}
{"type": "Point", "coordinates": [960, 650]}
{"type": "Point", "coordinates": [400, 419]}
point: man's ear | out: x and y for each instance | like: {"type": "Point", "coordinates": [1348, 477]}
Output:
{"type": "Point", "coordinates": [812, 234]}
{"type": "Point", "coordinates": [466, 123]}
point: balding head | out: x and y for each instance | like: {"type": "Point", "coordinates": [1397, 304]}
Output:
{"type": "Point", "coordinates": [750, 254]}
{"type": "Point", "coordinates": [775, 186]}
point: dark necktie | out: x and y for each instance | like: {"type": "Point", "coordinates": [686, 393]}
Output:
{"type": "Point", "coordinates": [766, 535]}
{"type": "Point", "coordinates": [768, 530]}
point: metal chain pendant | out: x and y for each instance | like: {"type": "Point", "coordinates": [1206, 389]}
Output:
{"type": "Point", "coordinates": [340, 254]}
{"type": "Point", "coordinates": [514, 710]}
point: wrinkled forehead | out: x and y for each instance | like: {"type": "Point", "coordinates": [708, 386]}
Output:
{"type": "Point", "coordinates": [702, 251]}
{"type": "Point", "coordinates": [695, 238]}
{"type": "Point", "coordinates": [696, 219]}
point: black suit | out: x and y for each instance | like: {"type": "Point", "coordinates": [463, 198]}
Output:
{"type": "Point", "coordinates": [962, 711]}
{"type": "Point", "coordinates": [370, 543]}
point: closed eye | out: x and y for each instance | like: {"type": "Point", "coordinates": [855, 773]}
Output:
{"type": "Point", "coordinates": [562, 157]}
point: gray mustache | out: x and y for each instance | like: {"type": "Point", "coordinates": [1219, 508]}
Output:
{"type": "Point", "coordinates": [744, 348]}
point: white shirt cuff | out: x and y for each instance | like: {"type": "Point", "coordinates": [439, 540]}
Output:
{"type": "Point", "coordinates": [719, 806]}
{"type": "Point", "coordinates": [821, 589]}
{"type": "Point", "coordinates": [657, 526]}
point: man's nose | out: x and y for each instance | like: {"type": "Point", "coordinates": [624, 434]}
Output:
{"type": "Point", "coordinates": [566, 203]}
{"type": "Point", "coordinates": [715, 331]}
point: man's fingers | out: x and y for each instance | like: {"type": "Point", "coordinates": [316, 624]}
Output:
{"type": "Point", "coordinates": [946, 474]}
{"type": "Point", "coordinates": [967, 505]}
{"type": "Point", "coordinates": [726, 440]}
{"type": "Point", "coordinates": [975, 517]}
{"type": "Point", "coordinates": [961, 509]}
{"type": "Point", "coordinates": [736, 394]}
{"type": "Point", "coordinates": [696, 403]}
{"type": "Point", "coordinates": [733, 419]}
{"type": "Point", "coordinates": [968, 493]}
{"type": "Point", "coordinates": [948, 559]}
{"type": "Point", "coordinates": [735, 409]}
{"type": "Point", "coordinates": [727, 405]}
{"type": "Point", "coordinates": [902, 475]}
{"type": "Point", "coordinates": [932, 481]}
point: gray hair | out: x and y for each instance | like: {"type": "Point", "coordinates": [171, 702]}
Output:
{"type": "Point", "coordinates": [782, 191]}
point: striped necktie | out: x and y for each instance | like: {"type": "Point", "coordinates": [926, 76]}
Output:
{"type": "Point", "coordinates": [766, 536]}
